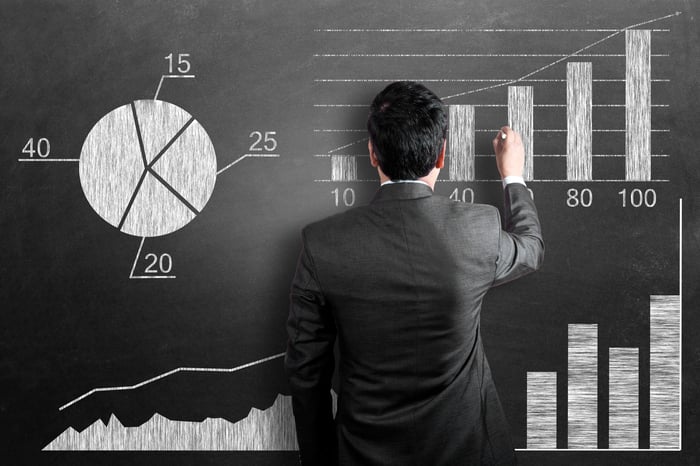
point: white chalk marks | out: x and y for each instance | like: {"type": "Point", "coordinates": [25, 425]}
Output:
{"type": "Point", "coordinates": [461, 142]}
{"type": "Point", "coordinates": [148, 168]}
{"type": "Point", "coordinates": [541, 410]}
{"type": "Point", "coordinates": [638, 105]}
{"type": "Point", "coordinates": [579, 136]}
{"type": "Point", "coordinates": [269, 429]}
{"type": "Point", "coordinates": [665, 372]}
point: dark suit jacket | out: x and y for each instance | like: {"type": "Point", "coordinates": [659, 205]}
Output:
{"type": "Point", "coordinates": [400, 283]}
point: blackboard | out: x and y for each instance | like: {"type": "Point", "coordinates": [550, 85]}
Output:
{"type": "Point", "coordinates": [281, 90]}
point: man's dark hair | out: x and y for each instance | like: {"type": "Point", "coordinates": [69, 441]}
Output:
{"type": "Point", "coordinates": [407, 125]}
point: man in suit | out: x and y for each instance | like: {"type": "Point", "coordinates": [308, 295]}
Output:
{"type": "Point", "coordinates": [399, 283]}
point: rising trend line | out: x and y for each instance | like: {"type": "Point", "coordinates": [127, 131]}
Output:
{"type": "Point", "coordinates": [524, 77]}
{"type": "Point", "coordinates": [565, 57]}
{"type": "Point", "coordinates": [169, 373]}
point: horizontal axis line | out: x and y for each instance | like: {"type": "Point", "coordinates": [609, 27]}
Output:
{"type": "Point", "coordinates": [492, 155]}
{"type": "Point", "coordinates": [599, 449]}
{"type": "Point", "coordinates": [500, 181]}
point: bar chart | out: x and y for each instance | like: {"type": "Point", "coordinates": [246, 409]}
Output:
{"type": "Point", "coordinates": [623, 389]}
{"type": "Point", "coordinates": [591, 112]}
{"type": "Point", "coordinates": [582, 380]}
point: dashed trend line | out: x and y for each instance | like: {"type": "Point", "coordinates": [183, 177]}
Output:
{"type": "Point", "coordinates": [565, 57]}
{"type": "Point", "coordinates": [614, 33]}
{"type": "Point", "coordinates": [348, 145]}
{"type": "Point", "coordinates": [169, 373]}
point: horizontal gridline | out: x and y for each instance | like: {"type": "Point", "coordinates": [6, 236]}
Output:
{"type": "Point", "coordinates": [490, 105]}
{"type": "Point", "coordinates": [476, 55]}
{"type": "Point", "coordinates": [546, 130]}
{"type": "Point", "coordinates": [477, 30]}
{"type": "Point", "coordinates": [467, 80]}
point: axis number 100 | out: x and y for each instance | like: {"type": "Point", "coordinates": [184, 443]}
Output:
{"type": "Point", "coordinates": [638, 197]}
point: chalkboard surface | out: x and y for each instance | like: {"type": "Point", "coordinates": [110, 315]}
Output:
{"type": "Point", "coordinates": [145, 293]}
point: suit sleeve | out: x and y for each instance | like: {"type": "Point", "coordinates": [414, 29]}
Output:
{"type": "Point", "coordinates": [309, 364]}
{"type": "Point", "coordinates": [520, 245]}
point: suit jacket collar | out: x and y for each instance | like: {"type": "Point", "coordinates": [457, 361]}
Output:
{"type": "Point", "coordinates": [401, 191]}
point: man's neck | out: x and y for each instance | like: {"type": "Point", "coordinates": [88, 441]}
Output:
{"type": "Point", "coordinates": [428, 179]}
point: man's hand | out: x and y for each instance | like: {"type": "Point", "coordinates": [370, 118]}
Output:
{"type": "Point", "coordinates": [510, 154]}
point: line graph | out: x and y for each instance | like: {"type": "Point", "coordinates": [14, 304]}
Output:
{"type": "Point", "coordinates": [592, 117]}
{"type": "Point", "coordinates": [167, 374]}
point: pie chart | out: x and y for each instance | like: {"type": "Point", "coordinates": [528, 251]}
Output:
{"type": "Point", "coordinates": [148, 168]}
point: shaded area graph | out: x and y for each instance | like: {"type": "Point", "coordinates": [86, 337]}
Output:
{"type": "Point", "coordinates": [148, 168]}
{"type": "Point", "coordinates": [186, 408]}
{"type": "Point", "coordinates": [267, 426]}
{"type": "Point", "coordinates": [268, 429]}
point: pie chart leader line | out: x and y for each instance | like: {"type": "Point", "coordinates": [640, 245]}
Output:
{"type": "Point", "coordinates": [171, 372]}
{"type": "Point", "coordinates": [136, 260]}
{"type": "Point", "coordinates": [245, 156]}
{"type": "Point", "coordinates": [148, 168]}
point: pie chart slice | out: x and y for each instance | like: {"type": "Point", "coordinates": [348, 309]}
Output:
{"type": "Point", "coordinates": [159, 122]}
{"type": "Point", "coordinates": [148, 168]}
{"type": "Point", "coordinates": [111, 164]}
{"type": "Point", "coordinates": [189, 166]}
{"type": "Point", "coordinates": [145, 218]}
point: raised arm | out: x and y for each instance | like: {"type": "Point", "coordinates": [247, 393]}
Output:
{"type": "Point", "coordinates": [521, 249]}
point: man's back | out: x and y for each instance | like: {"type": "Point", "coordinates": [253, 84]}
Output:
{"type": "Point", "coordinates": [399, 285]}
{"type": "Point", "coordinates": [403, 280]}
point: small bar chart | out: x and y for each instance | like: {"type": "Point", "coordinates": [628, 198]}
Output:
{"type": "Point", "coordinates": [590, 114]}
{"type": "Point", "coordinates": [583, 386]}
{"type": "Point", "coordinates": [623, 389]}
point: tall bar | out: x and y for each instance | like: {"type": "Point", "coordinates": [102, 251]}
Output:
{"type": "Point", "coordinates": [520, 120]}
{"type": "Point", "coordinates": [583, 386]}
{"type": "Point", "coordinates": [343, 168]}
{"type": "Point", "coordinates": [623, 401]}
{"type": "Point", "coordinates": [541, 410]}
{"type": "Point", "coordinates": [579, 121]}
{"type": "Point", "coordinates": [638, 105]}
{"type": "Point", "coordinates": [461, 142]}
{"type": "Point", "coordinates": [665, 372]}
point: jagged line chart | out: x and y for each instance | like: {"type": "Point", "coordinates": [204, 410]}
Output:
{"type": "Point", "coordinates": [267, 429]}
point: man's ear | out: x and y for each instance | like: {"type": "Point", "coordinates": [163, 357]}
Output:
{"type": "Point", "coordinates": [372, 156]}
{"type": "Point", "coordinates": [441, 157]}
